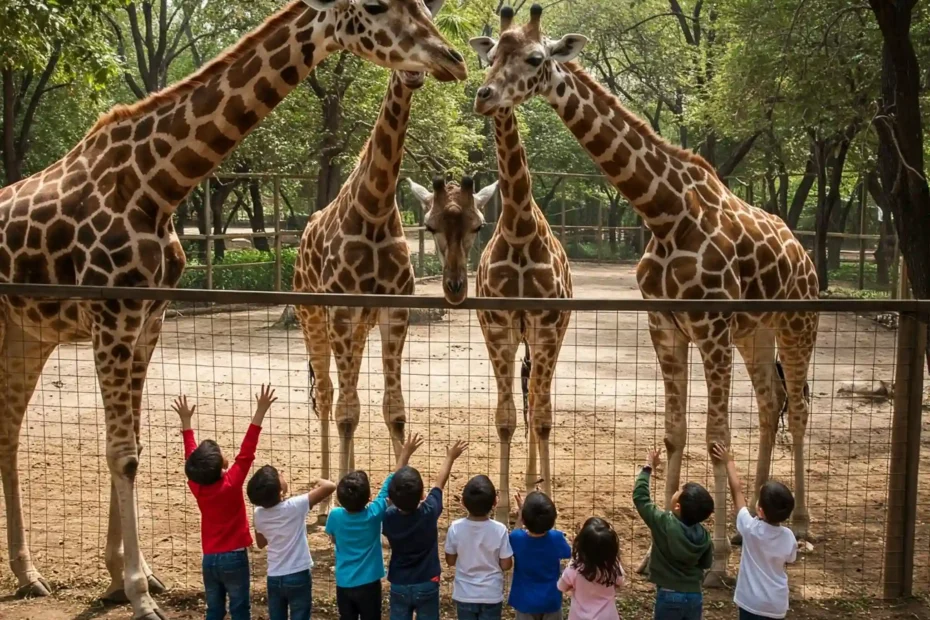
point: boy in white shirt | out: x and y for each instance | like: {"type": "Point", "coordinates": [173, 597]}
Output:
{"type": "Point", "coordinates": [281, 525]}
{"type": "Point", "coordinates": [762, 584]}
{"type": "Point", "coordinates": [479, 549]}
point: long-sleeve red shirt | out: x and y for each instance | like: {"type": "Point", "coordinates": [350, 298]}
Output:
{"type": "Point", "coordinates": [223, 522]}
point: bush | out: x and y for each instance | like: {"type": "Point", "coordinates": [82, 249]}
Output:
{"type": "Point", "coordinates": [251, 278]}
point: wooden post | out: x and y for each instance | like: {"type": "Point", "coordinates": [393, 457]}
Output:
{"type": "Point", "coordinates": [642, 236]}
{"type": "Point", "coordinates": [421, 238]}
{"type": "Point", "coordinates": [905, 453]}
{"type": "Point", "coordinates": [862, 233]}
{"type": "Point", "coordinates": [208, 218]}
{"type": "Point", "coordinates": [277, 233]}
{"type": "Point", "coordinates": [600, 230]}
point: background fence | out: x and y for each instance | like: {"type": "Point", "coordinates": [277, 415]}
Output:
{"type": "Point", "coordinates": [607, 401]}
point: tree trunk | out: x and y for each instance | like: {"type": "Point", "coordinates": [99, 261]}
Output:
{"type": "Point", "coordinates": [219, 193]}
{"type": "Point", "coordinates": [329, 175]}
{"type": "Point", "coordinates": [884, 252]}
{"type": "Point", "coordinates": [802, 192]}
{"type": "Point", "coordinates": [258, 217]}
{"type": "Point", "coordinates": [838, 221]}
{"type": "Point", "coordinates": [822, 217]}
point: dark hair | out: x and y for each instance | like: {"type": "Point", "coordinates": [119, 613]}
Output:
{"type": "Point", "coordinates": [479, 495]}
{"type": "Point", "coordinates": [264, 488]}
{"type": "Point", "coordinates": [353, 491]}
{"type": "Point", "coordinates": [205, 464]}
{"type": "Point", "coordinates": [696, 503]}
{"type": "Point", "coordinates": [538, 513]}
{"type": "Point", "coordinates": [596, 552]}
{"type": "Point", "coordinates": [406, 489]}
{"type": "Point", "coordinates": [776, 501]}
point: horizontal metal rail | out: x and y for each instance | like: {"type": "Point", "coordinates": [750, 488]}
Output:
{"type": "Point", "coordinates": [911, 306]}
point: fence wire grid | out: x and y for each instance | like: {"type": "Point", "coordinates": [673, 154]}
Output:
{"type": "Point", "coordinates": [608, 403]}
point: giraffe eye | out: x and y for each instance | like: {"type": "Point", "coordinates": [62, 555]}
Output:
{"type": "Point", "coordinates": [534, 61]}
{"type": "Point", "coordinates": [478, 229]}
{"type": "Point", "coordinates": [375, 9]}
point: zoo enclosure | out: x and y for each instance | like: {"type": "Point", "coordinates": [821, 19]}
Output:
{"type": "Point", "coordinates": [590, 219]}
{"type": "Point", "coordinates": [866, 475]}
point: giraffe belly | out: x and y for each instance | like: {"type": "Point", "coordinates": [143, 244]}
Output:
{"type": "Point", "coordinates": [52, 321]}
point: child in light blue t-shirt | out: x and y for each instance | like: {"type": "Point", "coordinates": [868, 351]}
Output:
{"type": "Point", "coordinates": [355, 528]}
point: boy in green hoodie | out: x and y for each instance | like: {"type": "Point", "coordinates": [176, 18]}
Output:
{"type": "Point", "coordinates": [681, 548]}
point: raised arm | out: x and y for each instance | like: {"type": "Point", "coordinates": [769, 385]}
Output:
{"type": "Point", "coordinates": [721, 453]}
{"type": "Point", "coordinates": [518, 500]}
{"type": "Point", "coordinates": [186, 414]}
{"type": "Point", "coordinates": [322, 490]}
{"type": "Point", "coordinates": [641, 498]}
{"type": "Point", "coordinates": [240, 469]}
{"type": "Point", "coordinates": [413, 443]}
{"type": "Point", "coordinates": [453, 452]}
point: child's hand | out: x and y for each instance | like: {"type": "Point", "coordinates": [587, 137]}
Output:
{"type": "Point", "coordinates": [265, 399]}
{"type": "Point", "coordinates": [184, 412]}
{"type": "Point", "coordinates": [654, 459]}
{"type": "Point", "coordinates": [413, 443]}
{"type": "Point", "coordinates": [721, 453]}
{"type": "Point", "coordinates": [455, 450]}
{"type": "Point", "coordinates": [518, 498]}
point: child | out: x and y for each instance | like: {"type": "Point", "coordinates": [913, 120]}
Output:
{"type": "Point", "coordinates": [479, 549]}
{"type": "Point", "coordinates": [681, 547]}
{"type": "Point", "coordinates": [281, 525]}
{"type": "Point", "coordinates": [411, 528]}
{"type": "Point", "coordinates": [537, 552]}
{"type": "Point", "coordinates": [595, 572]}
{"type": "Point", "coordinates": [224, 528]}
{"type": "Point", "coordinates": [355, 528]}
{"type": "Point", "coordinates": [762, 584]}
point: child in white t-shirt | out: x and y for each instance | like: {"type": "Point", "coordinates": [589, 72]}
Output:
{"type": "Point", "coordinates": [762, 584]}
{"type": "Point", "coordinates": [281, 526]}
{"type": "Point", "coordinates": [479, 549]}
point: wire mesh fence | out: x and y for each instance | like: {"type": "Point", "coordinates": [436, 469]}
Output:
{"type": "Point", "coordinates": [608, 408]}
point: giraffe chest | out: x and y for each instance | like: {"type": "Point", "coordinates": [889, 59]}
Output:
{"type": "Point", "coordinates": [535, 269]}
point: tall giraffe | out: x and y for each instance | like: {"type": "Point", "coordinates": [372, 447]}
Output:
{"type": "Point", "coordinates": [357, 245]}
{"type": "Point", "coordinates": [102, 216]}
{"type": "Point", "coordinates": [706, 244]}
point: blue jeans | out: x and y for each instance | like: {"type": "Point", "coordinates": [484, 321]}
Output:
{"type": "Point", "coordinates": [746, 615]}
{"type": "Point", "coordinates": [422, 598]}
{"type": "Point", "coordinates": [479, 611]}
{"type": "Point", "coordinates": [671, 605]}
{"type": "Point", "coordinates": [227, 574]}
{"type": "Point", "coordinates": [290, 592]}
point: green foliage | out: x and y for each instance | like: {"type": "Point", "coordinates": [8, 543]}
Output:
{"type": "Point", "coordinates": [230, 276]}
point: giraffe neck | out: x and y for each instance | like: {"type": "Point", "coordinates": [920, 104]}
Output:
{"type": "Point", "coordinates": [375, 175]}
{"type": "Point", "coordinates": [655, 176]}
{"type": "Point", "coordinates": [178, 137]}
{"type": "Point", "coordinates": [517, 221]}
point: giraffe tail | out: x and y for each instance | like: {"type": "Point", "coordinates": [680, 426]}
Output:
{"type": "Point", "coordinates": [784, 384]}
{"type": "Point", "coordinates": [312, 388]}
{"type": "Point", "coordinates": [525, 385]}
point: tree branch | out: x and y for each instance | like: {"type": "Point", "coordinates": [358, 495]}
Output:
{"type": "Point", "coordinates": [37, 94]}
{"type": "Point", "coordinates": [682, 21]}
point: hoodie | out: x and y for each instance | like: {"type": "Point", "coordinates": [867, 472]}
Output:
{"type": "Point", "coordinates": [680, 553]}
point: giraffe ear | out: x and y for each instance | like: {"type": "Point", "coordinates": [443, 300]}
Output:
{"type": "Point", "coordinates": [321, 5]}
{"type": "Point", "coordinates": [567, 48]}
{"type": "Point", "coordinates": [434, 6]}
{"type": "Point", "coordinates": [423, 195]}
{"type": "Point", "coordinates": [484, 196]}
{"type": "Point", "coordinates": [482, 47]}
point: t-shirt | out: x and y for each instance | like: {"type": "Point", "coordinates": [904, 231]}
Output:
{"type": "Point", "coordinates": [480, 546]}
{"type": "Point", "coordinates": [224, 525]}
{"type": "Point", "coordinates": [285, 528]}
{"type": "Point", "coordinates": [414, 540]}
{"type": "Point", "coordinates": [357, 536]}
{"type": "Point", "coordinates": [590, 600]}
{"type": "Point", "coordinates": [537, 564]}
{"type": "Point", "coordinates": [762, 584]}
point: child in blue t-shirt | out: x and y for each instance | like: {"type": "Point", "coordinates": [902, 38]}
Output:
{"type": "Point", "coordinates": [538, 552]}
{"type": "Point", "coordinates": [411, 527]}
{"type": "Point", "coordinates": [355, 528]}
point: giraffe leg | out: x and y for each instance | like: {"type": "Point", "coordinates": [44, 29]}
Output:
{"type": "Point", "coordinates": [348, 332]}
{"type": "Point", "coordinates": [393, 324]}
{"type": "Point", "coordinates": [795, 348]}
{"type": "Point", "coordinates": [717, 356]}
{"type": "Point", "coordinates": [545, 343]}
{"type": "Point", "coordinates": [20, 368]}
{"type": "Point", "coordinates": [502, 349]}
{"type": "Point", "coordinates": [671, 347]}
{"type": "Point", "coordinates": [113, 555]}
{"type": "Point", "coordinates": [313, 325]}
{"type": "Point", "coordinates": [114, 355]}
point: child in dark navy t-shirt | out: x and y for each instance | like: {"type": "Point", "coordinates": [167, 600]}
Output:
{"type": "Point", "coordinates": [411, 527]}
{"type": "Point", "coordinates": [538, 552]}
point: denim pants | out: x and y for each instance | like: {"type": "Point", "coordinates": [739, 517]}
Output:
{"type": "Point", "coordinates": [227, 574]}
{"type": "Point", "coordinates": [422, 598]}
{"type": "Point", "coordinates": [748, 615]}
{"type": "Point", "coordinates": [290, 592]}
{"type": "Point", "coordinates": [479, 611]}
{"type": "Point", "coordinates": [671, 605]}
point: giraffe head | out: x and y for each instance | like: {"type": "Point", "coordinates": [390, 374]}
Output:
{"type": "Point", "coordinates": [521, 62]}
{"type": "Point", "coordinates": [396, 34]}
{"type": "Point", "coordinates": [454, 216]}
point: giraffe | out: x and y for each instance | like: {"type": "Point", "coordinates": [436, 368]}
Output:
{"type": "Point", "coordinates": [102, 216]}
{"type": "Point", "coordinates": [706, 244]}
{"type": "Point", "coordinates": [357, 245]}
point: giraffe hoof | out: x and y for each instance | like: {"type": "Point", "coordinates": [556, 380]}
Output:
{"type": "Point", "coordinates": [156, 586]}
{"type": "Point", "coordinates": [715, 580]}
{"type": "Point", "coordinates": [155, 614]}
{"type": "Point", "coordinates": [736, 540]}
{"type": "Point", "coordinates": [116, 597]}
{"type": "Point", "coordinates": [37, 589]}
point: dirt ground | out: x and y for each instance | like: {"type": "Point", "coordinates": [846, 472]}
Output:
{"type": "Point", "coordinates": [607, 402]}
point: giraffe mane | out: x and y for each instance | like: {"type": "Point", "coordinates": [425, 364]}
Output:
{"type": "Point", "coordinates": [121, 112]}
{"type": "Point", "coordinates": [637, 123]}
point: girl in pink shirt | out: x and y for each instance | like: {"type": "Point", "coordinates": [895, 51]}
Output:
{"type": "Point", "coordinates": [594, 573]}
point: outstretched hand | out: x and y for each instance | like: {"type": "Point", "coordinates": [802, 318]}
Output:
{"type": "Point", "coordinates": [411, 445]}
{"type": "Point", "coordinates": [457, 449]}
{"type": "Point", "coordinates": [654, 458]}
{"type": "Point", "coordinates": [184, 411]}
{"type": "Point", "coordinates": [721, 453]}
{"type": "Point", "coordinates": [264, 400]}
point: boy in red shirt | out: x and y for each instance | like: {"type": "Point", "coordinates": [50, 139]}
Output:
{"type": "Point", "coordinates": [224, 528]}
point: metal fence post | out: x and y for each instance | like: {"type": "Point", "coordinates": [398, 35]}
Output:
{"type": "Point", "coordinates": [208, 219]}
{"type": "Point", "coordinates": [600, 230]}
{"type": "Point", "coordinates": [862, 195]}
{"type": "Point", "coordinates": [276, 186]}
{"type": "Point", "coordinates": [421, 238]}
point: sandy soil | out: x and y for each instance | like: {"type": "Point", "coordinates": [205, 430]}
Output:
{"type": "Point", "coordinates": [607, 399]}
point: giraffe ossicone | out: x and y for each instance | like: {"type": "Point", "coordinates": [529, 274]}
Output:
{"type": "Point", "coordinates": [706, 244]}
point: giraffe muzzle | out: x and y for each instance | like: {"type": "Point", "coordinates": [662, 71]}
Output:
{"type": "Point", "coordinates": [486, 100]}
{"type": "Point", "coordinates": [450, 66]}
